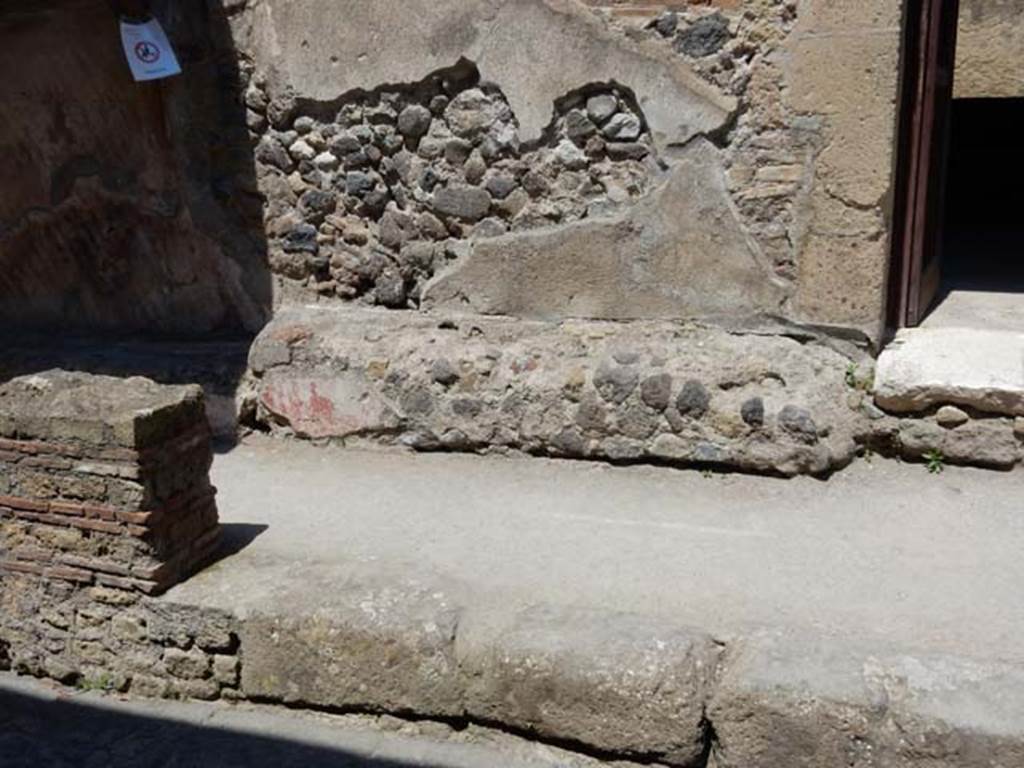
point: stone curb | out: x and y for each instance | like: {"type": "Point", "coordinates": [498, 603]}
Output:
{"type": "Point", "coordinates": [800, 700]}
{"type": "Point", "coordinates": [616, 684]}
{"type": "Point", "coordinates": [631, 686]}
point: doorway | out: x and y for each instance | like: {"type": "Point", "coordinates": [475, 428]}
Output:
{"type": "Point", "coordinates": [958, 246]}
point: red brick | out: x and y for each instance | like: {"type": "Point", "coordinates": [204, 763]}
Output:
{"type": "Point", "coordinates": [67, 508]}
{"type": "Point", "coordinates": [36, 446]}
{"type": "Point", "coordinates": [93, 564]}
{"type": "Point", "coordinates": [136, 518]}
{"type": "Point", "coordinates": [102, 526]}
{"type": "Point", "coordinates": [100, 513]}
{"type": "Point", "coordinates": [47, 462]}
{"type": "Point", "coordinates": [120, 582]}
{"type": "Point", "coordinates": [17, 445]}
{"type": "Point", "coordinates": [31, 505]}
{"type": "Point", "coordinates": [65, 449]}
{"type": "Point", "coordinates": [66, 573]}
{"type": "Point", "coordinates": [31, 553]}
{"type": "Point", "coordinates": [148, 587]}
{"type": "Point", "coordinates": [16, 567]}
{"type": "Point", "coordinates": [117, 454]}
{"type": "Point", "coordinates": [154, 572]}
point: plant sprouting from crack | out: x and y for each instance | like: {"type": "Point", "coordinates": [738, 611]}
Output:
{"type": "Point", "coordinates": [853, 378]}
{"type": "Point", "coordinates": [935, 461]}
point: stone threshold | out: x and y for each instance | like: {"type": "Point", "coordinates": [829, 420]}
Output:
{"type": "Point", "coordinates": [924, 368]}
{"type": "Point", "coordinates": [623, 686]}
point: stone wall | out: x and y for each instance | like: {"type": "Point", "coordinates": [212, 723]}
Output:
{"type": "Point", "coordinates": [116, 639]}
{"type": "Point", "coordinates": [643, 392]}
{"type": "Point", "coordinates": [990, 49]}
{"type": "Point", "coordinates": [106, 499]}
{"type": "Point", "coordinates": [780, 188]}
{"type": "Point", "coordinates": [741, 180]}
{"type": "Point", "coordinates": [780, 401]}
{"type": "Point", "coordinates": [370, 196]}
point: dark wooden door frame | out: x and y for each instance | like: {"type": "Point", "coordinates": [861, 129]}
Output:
{"type": "Point", "coordinates": [929, 45]}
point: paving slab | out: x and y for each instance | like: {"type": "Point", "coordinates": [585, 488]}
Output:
{"type": "Point", "coordinates": [436, 584]}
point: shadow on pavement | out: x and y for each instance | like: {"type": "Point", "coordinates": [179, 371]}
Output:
{"type": "Point", "coordinates": [36, 731]}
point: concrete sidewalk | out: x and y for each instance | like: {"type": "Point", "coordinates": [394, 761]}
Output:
{"type": "Point", "coordinates": [885, 598]}
{"type": "Point", "coordinates": [884, 551]}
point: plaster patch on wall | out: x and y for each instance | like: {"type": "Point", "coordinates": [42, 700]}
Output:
{"type": "Point", "coordinates": [769, 150]}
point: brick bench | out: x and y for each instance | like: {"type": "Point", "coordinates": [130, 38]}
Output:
{"type": "Point", "coordinates": [104, 481]}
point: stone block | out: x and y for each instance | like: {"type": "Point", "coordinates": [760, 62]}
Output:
{"type": "Point", "coordinates": [384, 648]}
{"type": "Point", "coordinates": [75, 407]}
{"type": "Point", "coordinates": [649, 391]}
{"type": "Point", "coordinates": [786, 699]}
{"type": "Point", "coordinates": [924, 367]}
{"type": "Point", "coordinates": [622, 684]}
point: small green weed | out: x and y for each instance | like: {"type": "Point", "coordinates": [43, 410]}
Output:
{"type": "Point", "coordinates": [851, 375]}
{"type": "Point", "coordinates": [935, 462]}
{"type": "Point", "coordinates": [102, 682]}
{"type": "Point", "coordinates": [856, 379]}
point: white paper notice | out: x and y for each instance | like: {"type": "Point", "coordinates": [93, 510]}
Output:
{"type": "Point", "coordinates": [149, 52]}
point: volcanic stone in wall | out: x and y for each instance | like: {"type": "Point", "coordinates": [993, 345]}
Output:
{"type": "Point", "coordinates": [369, 196]}
{"type": "Point", "coordinates": [643, 391]}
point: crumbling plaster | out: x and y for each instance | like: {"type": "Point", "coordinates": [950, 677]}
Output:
{"type": "Point", "coordinates": [536, 50]}
{"type": "Point", "coordinates": [115, 211]}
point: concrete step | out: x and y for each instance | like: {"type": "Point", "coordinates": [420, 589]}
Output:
{"type": "Point", "coordinates": [633, 612]}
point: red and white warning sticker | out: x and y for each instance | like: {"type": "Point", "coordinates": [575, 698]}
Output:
{"type": "Point", "coordinates": [148, 50]}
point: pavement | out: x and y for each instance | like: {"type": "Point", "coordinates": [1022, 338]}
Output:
{"type": "Point", "coordinates": [652, 614]}
{"type": "Point", "coordinates": [883, 552]}
{"type": "Point", "coordinates": [43, 724]}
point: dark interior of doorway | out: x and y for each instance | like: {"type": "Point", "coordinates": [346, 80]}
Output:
{"type": "Point", "coordinates": [983, 221]}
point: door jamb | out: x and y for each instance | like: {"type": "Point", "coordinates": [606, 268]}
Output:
{"type": "Point", "coordinates": [920, 150]}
